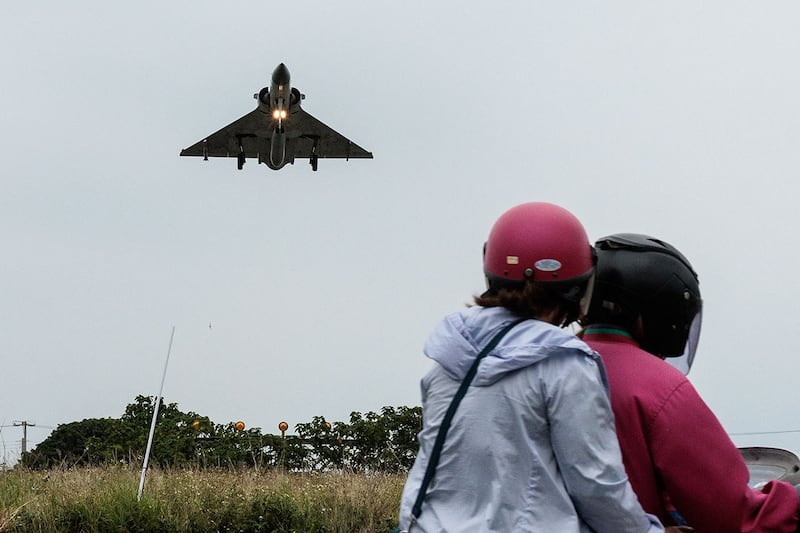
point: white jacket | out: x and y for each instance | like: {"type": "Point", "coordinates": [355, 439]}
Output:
{"type": "Point", "coordinates": [532, 446]}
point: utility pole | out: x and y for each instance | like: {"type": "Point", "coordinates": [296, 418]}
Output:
{"type": "Point", "coordinates": [24, 424]}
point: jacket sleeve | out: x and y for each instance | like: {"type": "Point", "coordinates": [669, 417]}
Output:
{"type": "Point", "coordinates": [706, 477]}
{"type": "Point", "coordinates": [586, 447]}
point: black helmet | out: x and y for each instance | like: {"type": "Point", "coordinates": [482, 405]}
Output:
{"type": "Point", "coordinates": [638, 275]}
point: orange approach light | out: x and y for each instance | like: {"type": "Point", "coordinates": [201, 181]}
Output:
{"type": "Point", "coordinates": [239, 426]}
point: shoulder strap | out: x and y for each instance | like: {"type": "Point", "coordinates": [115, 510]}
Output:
{"type": "Point", "coordinates": [416, 510]}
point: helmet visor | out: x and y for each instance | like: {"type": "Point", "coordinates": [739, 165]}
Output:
{"type": "Point", "coordinates": [586, 299]}
{"type": "Point", "coordinates": [684, 361]}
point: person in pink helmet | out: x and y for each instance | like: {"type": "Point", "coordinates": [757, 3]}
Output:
{"type": "Point", "coordinates": [518, 433]}
{"type": "Point", "coordinates": [683, 466]}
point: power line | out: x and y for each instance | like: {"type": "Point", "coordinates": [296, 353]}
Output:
{"type": "Point", "coordinates": [745, 433]}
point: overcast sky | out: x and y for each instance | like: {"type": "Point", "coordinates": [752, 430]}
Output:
{"type": "Point", "coordinates": [676, 119]}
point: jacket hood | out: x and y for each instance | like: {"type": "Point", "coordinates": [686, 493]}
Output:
{"type": "Point", "coordinates": [458, 339]}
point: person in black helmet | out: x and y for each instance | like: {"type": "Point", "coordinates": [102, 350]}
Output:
{"type": "Point", "coordinates": [646, 306]}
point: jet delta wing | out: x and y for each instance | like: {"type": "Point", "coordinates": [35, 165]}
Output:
{"type": "Point", "coordinates": [277, 132]}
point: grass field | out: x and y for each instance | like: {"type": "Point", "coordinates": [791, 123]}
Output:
{"type": "Point", "coordinates": [104, 500]}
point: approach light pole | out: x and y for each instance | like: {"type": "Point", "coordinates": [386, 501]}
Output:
{"type": "Point", "coordinates": [155, 418]}
{"type": "Point", "coordinates": [24, 424]}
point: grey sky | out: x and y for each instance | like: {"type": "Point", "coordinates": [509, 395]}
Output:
{"type": "Point", "coordinates": [674, 119]}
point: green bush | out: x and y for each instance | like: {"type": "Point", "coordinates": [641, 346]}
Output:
{"type": "Point", "coordinates": [371, 442]}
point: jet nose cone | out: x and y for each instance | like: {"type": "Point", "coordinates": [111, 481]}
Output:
{"type": "Point", "coordinates": [280, 76]}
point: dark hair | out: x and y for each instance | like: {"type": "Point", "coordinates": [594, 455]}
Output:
{"type": "Point", "coordinates": [530, 299]}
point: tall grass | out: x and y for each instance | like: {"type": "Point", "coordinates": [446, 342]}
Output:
{"type": "Point", "coordinates": [104, 499]}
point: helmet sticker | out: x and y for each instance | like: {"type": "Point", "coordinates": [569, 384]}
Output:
{"type": "Point", "coordinates": [512, 260]}
{"type": "Point", "coordinates": [547, 265]}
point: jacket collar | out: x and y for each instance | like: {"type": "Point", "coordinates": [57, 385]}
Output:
{"type": "Point", "coordinates": [609, 333]}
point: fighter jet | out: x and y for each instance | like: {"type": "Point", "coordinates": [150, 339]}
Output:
{"type": "Point", "coordinates": [277, 132]}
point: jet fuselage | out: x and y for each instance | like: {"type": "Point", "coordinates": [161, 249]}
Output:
{"type": "Point", "coordinates": [276, 103]}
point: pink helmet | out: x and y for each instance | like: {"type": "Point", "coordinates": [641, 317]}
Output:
{"type": "Point", "coordinates": [537, 241]}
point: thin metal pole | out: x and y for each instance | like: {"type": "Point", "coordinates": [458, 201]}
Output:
{"type": "Point", "coordinates": [155, 416]}
{"type": "Point", "coordinates": [24, 424]}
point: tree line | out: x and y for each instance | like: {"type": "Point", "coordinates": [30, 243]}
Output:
{"type": "Point", "coordinates": [384, 441]}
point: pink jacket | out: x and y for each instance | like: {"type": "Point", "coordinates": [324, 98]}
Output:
{"type": "Point", "coordinates": [675, 450]}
